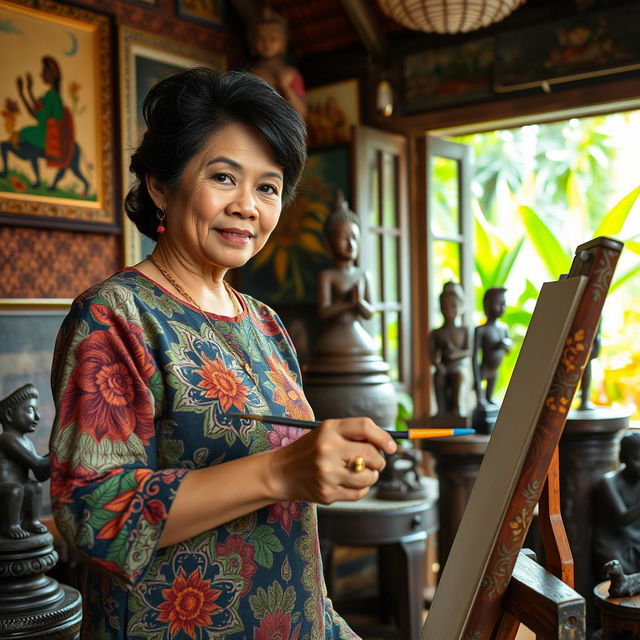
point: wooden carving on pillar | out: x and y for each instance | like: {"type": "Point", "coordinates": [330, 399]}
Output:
{"type": "Point", "coordinates": [521, 449]}
{"type": "Point", "coordinates": [32, 605]}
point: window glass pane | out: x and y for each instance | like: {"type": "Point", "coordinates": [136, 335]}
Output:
{"type": "Point", "coordinates": [391, 285]}
{"type": "Point", "coordinates": [373, 247]}
{"type": "Point", "coordinates": [392, 339]}
{"type": "Point", "coordinates": [445, 217]}
{"type": "Point", "coordinates": [389, 169]}
{"type": "Point", "coordinates": [374, 182]}
{"type": "Point", "coordinates": [446, 266]}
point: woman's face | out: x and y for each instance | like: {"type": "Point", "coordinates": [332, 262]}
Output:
{"type": "Point", "coordinates": [227, 201]}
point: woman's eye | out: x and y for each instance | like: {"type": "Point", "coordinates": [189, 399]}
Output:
{"type": "Point", "coordinates": [223, 178]}
{"type": "Point", "coordinates": [269, 188]}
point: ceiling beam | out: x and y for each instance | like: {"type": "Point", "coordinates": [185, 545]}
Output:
{"type": "Point", "coordinates": [368, 27]}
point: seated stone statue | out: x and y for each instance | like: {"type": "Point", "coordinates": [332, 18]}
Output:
{"type": "Point", "coordinates": [20, 496]}
{"type": "Point", "coordinates": [491, 343]}
{"type": "Point", "coordinates": [617, 517]}
{"type": "Point", "coordinates": [449, 349]}
{"type": "Point", "coordinates": [344, 296]}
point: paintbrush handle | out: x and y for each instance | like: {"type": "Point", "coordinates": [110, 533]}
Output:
{"type": "Point", "coordinates": [413, 434]}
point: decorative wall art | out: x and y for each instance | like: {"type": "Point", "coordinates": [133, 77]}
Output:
{"type": "Point", "coordinates": [29, 329]}
{"type": "Point", "coordinates": [56, 132]}
{"type": "Point", "coordinates": [144, 59]}
{"type": "Point", "coordinates": [331, 110]}
{"type": "Point", "coordinates": [448, 76]}
{"type": "Point", "coordinates": [587, 46]}
{"type": "Point", "coordinates": [207, 12]}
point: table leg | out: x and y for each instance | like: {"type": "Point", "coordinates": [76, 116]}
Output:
{"type": "Point", "coordinates": [411, 586]}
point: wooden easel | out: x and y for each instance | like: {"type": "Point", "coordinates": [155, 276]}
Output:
{"type": "Point", "coordinates": [549, 607]}
{"type": "Point", "coordinates": [494, 585]}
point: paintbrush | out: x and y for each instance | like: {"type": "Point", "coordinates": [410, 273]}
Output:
{"type": "Point", "coordinates": [409, 434]}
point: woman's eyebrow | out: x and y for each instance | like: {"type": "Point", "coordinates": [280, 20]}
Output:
{"type": "Point", "coordinates": [236, 165]}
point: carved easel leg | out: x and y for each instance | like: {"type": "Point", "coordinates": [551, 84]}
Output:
{"type": "Point", "coordinates": [558, 557]}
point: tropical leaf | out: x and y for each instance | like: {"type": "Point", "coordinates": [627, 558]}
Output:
{"type": "Point", "coordinates": [614, 220]}
{"type": "Point", "coordinates": [623, 278]}
{"type": "Point", "coordinates": [552, 254]}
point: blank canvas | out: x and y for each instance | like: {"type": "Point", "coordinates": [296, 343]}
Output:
{"type": "Point", "coordinates": [503, 460]}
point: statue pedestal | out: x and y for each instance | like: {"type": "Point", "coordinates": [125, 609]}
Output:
{"type": "Point", "coordinates": [588, 449]}
{"type": "Point", "coordinates": [483, 419]}
{"type": "Point", "coordinates": [34, 606]}
{"type": "Point", "coordinates": [349, 386]}
{"type": "Point", "coordinates": [457, 462]}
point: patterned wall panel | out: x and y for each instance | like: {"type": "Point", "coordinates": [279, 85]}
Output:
{"type": "Point", "coordinates": [35, 263]}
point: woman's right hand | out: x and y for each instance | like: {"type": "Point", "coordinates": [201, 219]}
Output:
{"type": "Point", "coordinates": [318, 467]}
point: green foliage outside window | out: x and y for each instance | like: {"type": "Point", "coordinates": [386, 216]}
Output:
{"type": "Point", "coordinates": [540, 191]}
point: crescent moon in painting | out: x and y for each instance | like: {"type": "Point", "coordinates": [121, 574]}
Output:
{"type": "Point", "coordinates": [74, 46]}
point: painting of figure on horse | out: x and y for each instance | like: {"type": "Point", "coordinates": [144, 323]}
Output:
{"type": "Point", "coordinates": [50, 142]}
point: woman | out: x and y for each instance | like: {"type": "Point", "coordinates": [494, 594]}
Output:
{"type": "Point", "coordinates": [199, 524]}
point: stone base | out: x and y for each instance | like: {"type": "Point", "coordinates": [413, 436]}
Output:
{"type": "Point", "coordinates": [59, 622]}
{"type": "Point", "coordinates": [484, 419]}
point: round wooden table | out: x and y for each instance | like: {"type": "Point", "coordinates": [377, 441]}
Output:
{"type": "Point", "coordinates": [619, 617]}
{"type": "Point", "coordinates": [399, 529]}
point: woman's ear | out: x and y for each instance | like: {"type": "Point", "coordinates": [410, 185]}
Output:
{"type": "Point", "coordinates": [157, 190]}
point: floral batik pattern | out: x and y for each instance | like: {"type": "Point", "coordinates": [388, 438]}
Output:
{"type": "Point", "coordinates": [143, 387]}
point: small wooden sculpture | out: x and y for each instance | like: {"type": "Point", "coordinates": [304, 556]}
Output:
{"type": "Point", "coordinates": [617, 521]}
{"type": "Point", "coordinates": [344, 291]}
{"type": "Point", "coordinates": [268, 37]}
{"type": "Point", "coordinates": [490, 344]}
{"type": "Point", "coordinates": [621, 585]}
{"type": "Point", "coordinates": [449, 348]}
{"type": "Point", "coordinates": [20, 496]}
{"type": "Point", "coordinates": [585, 383]}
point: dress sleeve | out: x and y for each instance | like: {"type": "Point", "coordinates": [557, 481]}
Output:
{"type": "Point", "coordinates": [110, 500]}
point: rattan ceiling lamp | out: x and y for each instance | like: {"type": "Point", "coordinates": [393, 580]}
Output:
{"type": "Point", "coordinates": [448, 16]}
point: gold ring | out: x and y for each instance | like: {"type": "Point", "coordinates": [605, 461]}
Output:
{"type": "Point", "coordinates": [358, 464]}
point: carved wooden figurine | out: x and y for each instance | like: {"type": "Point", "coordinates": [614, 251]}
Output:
{"type": "Point", "coordinates": [617, 522]}
{"type": "Point", "coordinates": [449, 348]}
{"type": "Point", "coordinates": [20, 496]}
{"type": "Point", "coordinates": [268, 37]}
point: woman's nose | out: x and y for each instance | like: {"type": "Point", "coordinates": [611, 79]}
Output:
{"type": "Point", "coordinates": [243, 205]}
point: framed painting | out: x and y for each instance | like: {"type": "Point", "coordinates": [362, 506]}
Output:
{"type": "Point", "coordinates": [145, 58]}
{"type": "Point", "coordinates": [207, 12]}
{"type": "Point", "coordinates": [286, 270]}
{"type": "Point", "coordinates": [583, 47]}
{"type": "Point", "coordinates": [331, 111]}
{"type": "Point", "coordinates": [29, 328]}
{"type": "Point", "coordinates": [450, 75]}
{"type": "Point", "coordinates": [56, 142]}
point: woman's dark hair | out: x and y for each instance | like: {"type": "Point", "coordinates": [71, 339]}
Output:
{"type": "Point", "coordinates": [184, 109]}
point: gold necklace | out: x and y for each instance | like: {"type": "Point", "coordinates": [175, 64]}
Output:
{"type": "Point", "coordinates": [242, 361]}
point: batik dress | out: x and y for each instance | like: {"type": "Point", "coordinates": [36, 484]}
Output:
{"type": "Point", "coordinates": [143, 388]}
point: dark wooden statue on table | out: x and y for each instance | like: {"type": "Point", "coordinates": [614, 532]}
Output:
{"type": "Point", "coordinates": [450, 351]}
{"type": "Point", "coordinates": [345, 375]}
{"type": "Point", "coordinates": [32, 605]}
{"type": "Point", "coordinates": [490, 344]}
